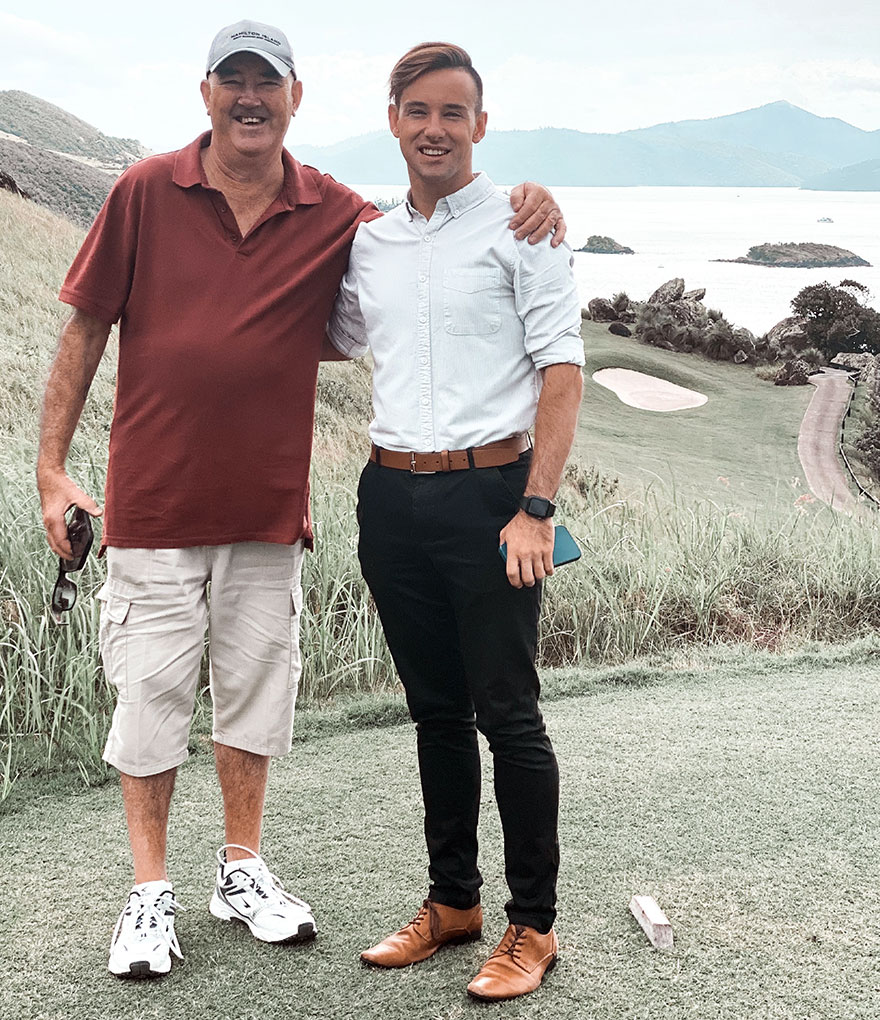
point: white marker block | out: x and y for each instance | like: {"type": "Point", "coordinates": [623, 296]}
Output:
{"type": "Point", "coordinates": [652, 920]}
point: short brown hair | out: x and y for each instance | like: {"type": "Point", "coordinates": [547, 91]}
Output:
{"type": "Point", "coordinates": [427, 57]}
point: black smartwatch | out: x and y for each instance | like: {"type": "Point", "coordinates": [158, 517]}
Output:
{"type": "Point", "coordinates": [537, 506]}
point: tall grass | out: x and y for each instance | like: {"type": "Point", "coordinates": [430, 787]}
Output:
{"type": "Point", "coordinates": [656, 576]}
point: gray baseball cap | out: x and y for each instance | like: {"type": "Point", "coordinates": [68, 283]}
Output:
{"type": "Point", "coordinates": [266, 41]}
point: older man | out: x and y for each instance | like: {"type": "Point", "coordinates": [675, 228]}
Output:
{"type": "Point", "coordinates": [220, 262]}
{"type": "Point", "coordinates": [475, 339]}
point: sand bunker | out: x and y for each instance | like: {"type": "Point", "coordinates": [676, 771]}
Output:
{"type": "Point", "coordinates": [647, 391]}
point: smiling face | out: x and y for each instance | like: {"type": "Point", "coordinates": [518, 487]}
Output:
{"type": "Point", "coordinates": [437, 124]}
{"type": "Point", "coordinates": [250, 106]}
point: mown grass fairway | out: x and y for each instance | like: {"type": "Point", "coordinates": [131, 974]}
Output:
{"type": "Point", "coordinates": [740, 448]}
{"type": "Point", "coordinates": [742, 796]}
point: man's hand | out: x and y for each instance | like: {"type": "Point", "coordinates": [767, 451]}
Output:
{"type": "Point", "coordinates": [58, 494]}
{"type": "Point", "coordinates": [537, 214]}
{"type": "Point", "coordinates": [529, 549]}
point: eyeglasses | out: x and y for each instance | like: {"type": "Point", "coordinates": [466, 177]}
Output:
{"type": "Point", "coordinates": [79, 533]}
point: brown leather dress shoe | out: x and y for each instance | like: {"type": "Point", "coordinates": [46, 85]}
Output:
{"type": "Point", "coordinates": [517, 966]}
{"type": "Point", "coordinates": [435, 925]}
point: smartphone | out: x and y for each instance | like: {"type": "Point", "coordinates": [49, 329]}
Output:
{"type": "Point", "coordinates": [565, 549]}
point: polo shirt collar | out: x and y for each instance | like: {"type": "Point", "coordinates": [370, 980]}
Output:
{"type": "Point", "coordinates": [298, 188]}
{"type": "Point", "coordinates": [479, 189]}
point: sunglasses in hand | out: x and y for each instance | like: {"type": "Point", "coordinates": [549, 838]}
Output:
{"type": "Point", "coordinates": [79, 533]}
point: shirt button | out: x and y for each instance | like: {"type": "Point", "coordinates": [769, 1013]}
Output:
{"type": "Point", "coordinates": [429, 237]}
{"type": "Point", "coordinates": [422, 279]}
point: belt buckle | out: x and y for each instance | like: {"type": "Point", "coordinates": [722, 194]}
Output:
{"type": "Point", "coordinates": [412, 466]}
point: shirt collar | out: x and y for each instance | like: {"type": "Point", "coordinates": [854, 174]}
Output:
{"type": "Point", "coordinates": [298, 188]}
{"type": "Point", "coordinates": [465, 198]}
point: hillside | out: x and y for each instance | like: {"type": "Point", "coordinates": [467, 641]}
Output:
{"type": "Point", "coordinates": [61, 161]}
{"type": "Point", "coordinates": [863, 176]}
{"type": "Point", "coordinates": [777, 145]}
{"type": "Point", "coordinates": [49, 127]}
{"type": "Point", "coordinates": [67, 188]}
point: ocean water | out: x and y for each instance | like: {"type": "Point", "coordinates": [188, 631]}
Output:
{"type": "Point", "coordinates": [679, 231]}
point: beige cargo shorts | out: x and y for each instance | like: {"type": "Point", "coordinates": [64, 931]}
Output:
{"type": "Point", "coordinates": [158, 605]}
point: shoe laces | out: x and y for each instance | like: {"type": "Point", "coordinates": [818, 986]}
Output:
{"type": "Point", "coordinates": [423, 911]}
{"type": "Point", "coordinates": [514, 942]}
{"type": "Point", "coordinates": [146, 916]}
{"type": "Point", "coordinates": [268, 887]}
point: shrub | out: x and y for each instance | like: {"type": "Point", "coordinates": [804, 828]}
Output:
{"type": "Point", "coordinates": [868, 445]}
{"type": "Point", "coordinates": [837, 319]}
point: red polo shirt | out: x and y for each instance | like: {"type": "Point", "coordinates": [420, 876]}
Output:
{"type": "Point", "coordinates": [219, 339]}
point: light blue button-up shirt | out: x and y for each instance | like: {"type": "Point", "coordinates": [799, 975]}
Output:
{"type": "Point", "coordinates": [459, 316]}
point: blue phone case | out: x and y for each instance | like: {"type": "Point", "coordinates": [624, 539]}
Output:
{"type": "Point", "coordinates": [565, 549]}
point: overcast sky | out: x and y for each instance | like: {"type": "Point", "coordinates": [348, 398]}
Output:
{"type": "Point", "coordinates": [133, 69]}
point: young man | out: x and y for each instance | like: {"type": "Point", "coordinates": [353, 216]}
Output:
{"type": "Point", "coordinates": [475, 339]}
{"type": "Point", "coordinates": [220, 262]}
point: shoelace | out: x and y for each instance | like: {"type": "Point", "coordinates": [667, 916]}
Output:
{"type": "Point", "coordinates": [420, 916]}
{"type": "Point", "coordinates": [261, 881]}
{"type": "Point", "coordinates": [515, 947]}
{"type": "Point", "coordinates": [150, 917]}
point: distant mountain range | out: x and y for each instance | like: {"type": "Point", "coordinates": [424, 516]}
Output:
{"type": "Point", "coordinates": [777, 145]}
{"type": "Point", "coordinates": [860, 177]}
{"type": "Point", "coordinates": [68, 165]}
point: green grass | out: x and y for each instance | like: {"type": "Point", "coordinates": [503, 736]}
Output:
{"type": "Point", "coordinates": [738, 449]}
{"type": "Point", "coordinates": [742, 795]}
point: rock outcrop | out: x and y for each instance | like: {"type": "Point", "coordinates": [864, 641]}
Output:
{"type": "Point", "coordinates": [789, 334]}
{"type": "Point", "coordinates": [803, 255]}
{"type": "Point", "coordinates": [793, 373]}
{"type": "Point", "coordinates": [597, 244]}
{"type": "Point", "coordinates": [667, 293]}
{"type": "Point", "coordinates": [602, 310]}
{"type": "Point", "coordinates": [7, 183]}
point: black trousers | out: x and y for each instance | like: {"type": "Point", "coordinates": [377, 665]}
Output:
{"type": "Point", "coordinates": [464, 641]}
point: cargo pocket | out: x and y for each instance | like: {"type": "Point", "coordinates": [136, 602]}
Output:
{"type": "Point", "coordinates": [296, 604]}
{"type": "Point", "coordinates": [115, 598]}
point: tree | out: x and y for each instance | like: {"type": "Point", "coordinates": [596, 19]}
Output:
{"type": "Point", "coordinates": [837, 319]}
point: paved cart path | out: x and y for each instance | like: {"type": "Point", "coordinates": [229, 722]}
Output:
{"type": "Point", "coordinates": [818, 439]}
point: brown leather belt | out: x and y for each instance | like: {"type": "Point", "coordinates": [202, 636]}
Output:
{"type": "Point", "coordinates": [504, 451]}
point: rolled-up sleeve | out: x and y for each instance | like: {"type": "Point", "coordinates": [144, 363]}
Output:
{"type": "Point", "coordinates": [547, 303]}
{"type": "Point", "coordinates": [346, 328]}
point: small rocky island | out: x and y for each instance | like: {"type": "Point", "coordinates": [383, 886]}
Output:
{"type": "Point", "coordinates": [799, 256]}
{"type": "Point", "coordinates": [599, 245]}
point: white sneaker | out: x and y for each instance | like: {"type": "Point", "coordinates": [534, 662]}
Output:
{"type": "Point", "coordinates": [144, 938]}
{"type": "Point", "coordinates": [247, 891]}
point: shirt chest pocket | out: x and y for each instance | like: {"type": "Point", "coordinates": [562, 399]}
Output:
{"type": "Point", "coordinates": [472, 301]}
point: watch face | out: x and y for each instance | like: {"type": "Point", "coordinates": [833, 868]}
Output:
{"type": "Point", "coordinates": [537, 506]}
